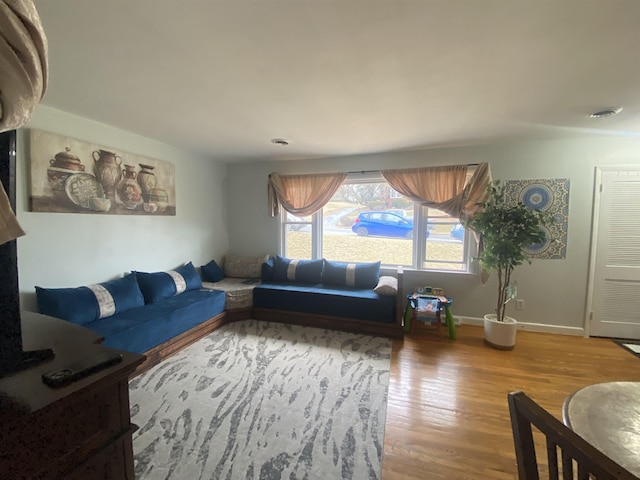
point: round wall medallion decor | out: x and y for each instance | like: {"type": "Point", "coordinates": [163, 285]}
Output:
{"type": "Point", "coordinates": [536, 196]}
{"type": "Point", "coordinates": [548, 195]}
{"type": "Point", "coordinates": [537, 248]}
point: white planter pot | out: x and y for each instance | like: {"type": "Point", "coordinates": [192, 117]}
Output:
{"type": "Point", "coordinates": [500, 335]}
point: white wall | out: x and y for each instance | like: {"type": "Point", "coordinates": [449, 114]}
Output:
{"type": "Point", "coordinates": [554, 291]}
{"type": "Point", "coordinates": [69, 250]}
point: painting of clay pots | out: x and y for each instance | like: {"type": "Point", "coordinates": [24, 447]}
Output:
{"type": "Point", "coordinates": [74, 176]}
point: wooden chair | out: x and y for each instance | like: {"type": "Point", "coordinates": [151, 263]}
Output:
{"type": "Point", "coordinates": [574, 450]}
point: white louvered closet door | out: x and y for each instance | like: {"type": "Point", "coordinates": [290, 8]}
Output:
{"type": "Point", "coordinates": [616, 264]}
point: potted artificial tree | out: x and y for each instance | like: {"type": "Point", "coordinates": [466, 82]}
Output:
{"type": "Point", "coordinates": [506, 230]}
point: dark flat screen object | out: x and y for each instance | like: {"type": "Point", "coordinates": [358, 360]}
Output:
{"type": "Point", "coordinates": [12, 357]}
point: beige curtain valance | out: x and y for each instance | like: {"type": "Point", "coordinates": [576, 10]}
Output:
{"type": "Point", "coordinates": [445, 188]}
{"type": "Point", "coordinates": [302, 195]}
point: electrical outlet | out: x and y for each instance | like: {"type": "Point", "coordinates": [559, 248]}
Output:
{"type": "Point", "coordinates": [519, 304]}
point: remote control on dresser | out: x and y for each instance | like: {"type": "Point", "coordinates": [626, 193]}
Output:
{"type": "Point", "coordinates": [80, 369]}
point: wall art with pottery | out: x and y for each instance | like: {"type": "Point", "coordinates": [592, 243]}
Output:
{"type": "Point", "coordinates": [547, 195]}
{"type": "Point", "coordinates": [74, 176]}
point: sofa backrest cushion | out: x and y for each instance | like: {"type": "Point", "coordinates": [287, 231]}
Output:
{"type": "Point", "coordinates": [157, 286]}
{"type": "Point", "coordinates": [298, 271]}
{"type": "Point", "coordinates": [243, 267]}
{"type": "Point", "coordinates": [211, 272]}
{"type": "Point", "coordinates": [358, 275]}
{"type": "Point", "coordinates": [82, 305]}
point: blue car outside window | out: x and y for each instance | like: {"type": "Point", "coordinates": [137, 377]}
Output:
{"type": "Point", "coordinates": [382, 224]}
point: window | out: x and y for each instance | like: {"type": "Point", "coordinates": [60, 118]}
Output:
{"type": "Point", "coordinates": [445, 246]}
{"type": "Point", "coordinates": [297, 236]}
{"type": "Point", "coordinates": [366, 220]}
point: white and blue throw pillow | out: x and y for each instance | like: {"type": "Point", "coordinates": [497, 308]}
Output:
{"type": "Point", "coordinates": [82, 305]}
{"type": "Point", "coordinates": [356, 275]}
{"type": "Point", "coordinates": [297, 271]}
{"type": "Point", "coordinates": [157, 286]}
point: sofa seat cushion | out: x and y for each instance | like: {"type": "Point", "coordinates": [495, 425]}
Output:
{"type": "Point", "coordinates": [143, 328]}
{"type": "Point", "coordinates": [360, 304]}
{"type": "Point", "coordinates": [238, 291]}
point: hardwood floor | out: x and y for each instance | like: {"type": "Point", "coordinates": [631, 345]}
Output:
{"type": "Point", "coordinates": [447, 414]}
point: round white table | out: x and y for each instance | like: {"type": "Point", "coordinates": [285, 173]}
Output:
{"type": "Point", "coordinates": [607, 415]}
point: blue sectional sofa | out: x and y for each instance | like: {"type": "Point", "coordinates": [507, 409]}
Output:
{"type": "Point", "coordinates": [155, 314]}
{"type": "Point", "coordinates": [160, 313]}
{"type": "Point", "coordinates": [321, 293]}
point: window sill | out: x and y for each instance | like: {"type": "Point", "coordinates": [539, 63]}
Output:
{"type": "Point", "coordinates": [387, 270]}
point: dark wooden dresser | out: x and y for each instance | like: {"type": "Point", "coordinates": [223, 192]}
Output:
{"type": "Point", "coordinates": [81, 431]}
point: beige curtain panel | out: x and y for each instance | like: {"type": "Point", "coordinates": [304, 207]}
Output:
{"type": "Point", "coordinates": [23, 81]}
{"type": "Point", "coordinates": [9, 227]}
{"type": "Point", "coordinates": [23, 62]}
{"type": "Point", "coordinates": [444, 188]}
{"type": "Point", "coordinates": [302, 195]}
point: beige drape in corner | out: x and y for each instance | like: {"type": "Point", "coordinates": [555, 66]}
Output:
{"type": "Point", "coordinates": [302, 195]}
{"type": "Point", "coordinates": [23, 81]}
{"type": "Point", "coordinates": [444, 188]}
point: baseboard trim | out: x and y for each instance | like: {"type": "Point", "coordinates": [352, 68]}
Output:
{"type": "Point", "coordinates": [530, 327]}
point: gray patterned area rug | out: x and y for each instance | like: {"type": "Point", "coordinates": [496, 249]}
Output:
{"type": "Point", "coordinates": [261, 400]}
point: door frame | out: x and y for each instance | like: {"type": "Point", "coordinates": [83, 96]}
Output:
{"type": "Point", "coordinates": [595, 222]}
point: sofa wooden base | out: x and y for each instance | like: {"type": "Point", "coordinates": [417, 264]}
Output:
{"type": "Point", "coordinates": [391, 330]}
{"type": "Point", "coordinates": [180, 342]}
{"type": "Point", "coordinates": [238, 314]}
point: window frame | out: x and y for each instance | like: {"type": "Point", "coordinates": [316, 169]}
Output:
{"type": "Point", "coordinates": [419, 242]}
{"type": "Point", "coordinates": [469, 246]}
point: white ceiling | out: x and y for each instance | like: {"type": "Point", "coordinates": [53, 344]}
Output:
{"type": "Point", "coordinates": [344, 77]}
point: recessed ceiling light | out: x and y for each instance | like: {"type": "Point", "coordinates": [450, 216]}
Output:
{"type": "Point", "coordinates": [607, 112]}
{"type": "Point", "coordinates": [280, 141]}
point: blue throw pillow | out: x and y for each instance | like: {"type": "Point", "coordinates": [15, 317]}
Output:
{"type": "Point", "coordinates": [212, 272]}
{"type": "Point", "coordinates": [84, 305]}
{"type": "Point", "coordinates": [190, 275]}
{"type": "Point", "coordinates": [358, 275]}
{"type": "Point", "coordinates": [266, 271]}
{"type": "Point", "coordinates": [298, 271]}
{"type": "Point", "coordinates": [157, 286]}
